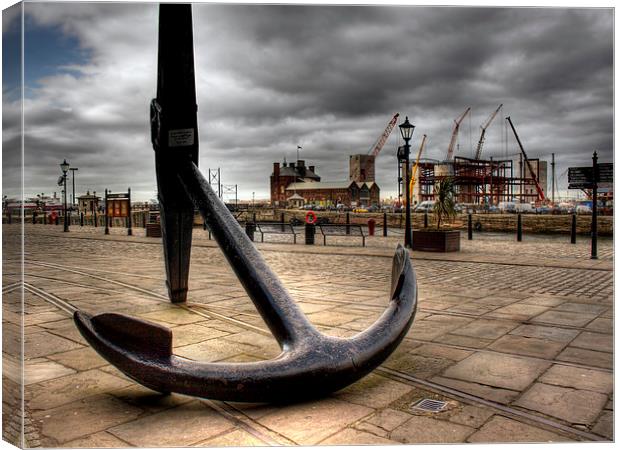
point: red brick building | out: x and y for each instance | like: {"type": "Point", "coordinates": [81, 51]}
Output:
{"type": "Point", "coordinates": [292, 180]}
{"type": "Point", "coordinates": [287, 174]}
{"type": "Point", "coordinates": [349, 193]}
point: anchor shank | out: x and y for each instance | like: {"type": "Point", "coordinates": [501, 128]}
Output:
{"type": "Point", "coordinates": [174, 133]}
{"type": "Point", "coordinates": [279, 311]}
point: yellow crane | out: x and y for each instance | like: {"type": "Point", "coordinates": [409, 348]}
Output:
{"type": "Point", "coordinates": [414, 170]}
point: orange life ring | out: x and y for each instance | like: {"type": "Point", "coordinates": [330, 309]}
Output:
{"type": "Point", "coordinates": [310, 217]}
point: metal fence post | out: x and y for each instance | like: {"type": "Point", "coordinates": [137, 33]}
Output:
{"type": "Point", "coordinates": [470, 231]}
{"type": "Point", "coordinates": [249, 230]}
{"type": "Point", "coordinates": [519, 228]}
{"type": "Point", "coordinates": [425, 219]}
{"type": "Point", "coordinates": [573, 229]}
{"type": "Point", "coordinates": [310, 230]}
{"type": "Point", "coordinates": [129, 221]}
{"type": "Point", "coordinates": [107, 224]}
{"type": "Point", "coordinates": [385, 224]}
{"type": "Point", "coordinates": [348, 221]}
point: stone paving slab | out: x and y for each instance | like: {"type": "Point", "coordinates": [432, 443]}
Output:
{"type": "Point", "coordinates": [497, 370]}
{"type": "Point", "coordinates": [502, 430]}
{"type": "Point", "coordinates": [572, 405]}
{"type": "Point", "coordinates": [426, 430]}
{"type": "Point", "coordinates": [577, 378]}
{"type": "Point", "coordinates": [57, 425]}
{"type": "Point", "coordinates": [326, 416]}
{"type": "Point", "coordinates": [184, 425]}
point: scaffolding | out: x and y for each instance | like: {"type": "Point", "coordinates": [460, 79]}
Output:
{"type": "Point", "coordinates": [479, 182]}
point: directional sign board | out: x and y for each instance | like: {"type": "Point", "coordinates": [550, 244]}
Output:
{"type": "Point", "coordinates": [582, 178]}
{"type": "Point", "coordinates": [606, 173]}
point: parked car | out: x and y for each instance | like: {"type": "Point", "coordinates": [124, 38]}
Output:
{"type": "Point", "coordinates": [509, 207]}
{"type": "Point", "coordinates": [425, 206]}
{"type": "Point", "coordinates": [583, 209]}
{"type": "Point", "coordinates": [544, 209]}
{"type": "Point", "coordinates": [373, 208]}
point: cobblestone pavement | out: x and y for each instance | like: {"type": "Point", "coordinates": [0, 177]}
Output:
{"type": "Point", "coordinates": [518, 342]}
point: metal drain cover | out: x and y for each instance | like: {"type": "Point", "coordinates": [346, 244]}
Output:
{"type": "Point", "coordinates": [430, 405]}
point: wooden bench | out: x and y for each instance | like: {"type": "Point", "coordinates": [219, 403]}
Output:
{"type": "Point", "coordinates": [153, 230]}
{"type": "Point", "coordinates": [276, 228]}
{"type": "Point", "coordinates": [342, 230]}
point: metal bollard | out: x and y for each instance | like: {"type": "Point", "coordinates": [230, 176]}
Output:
{"type": "Point", "coordinates": [282, 221]}
{"type": "Point", "coordinates": [57, 222]}
{"type": "Point", "coordinates": [95, 220]}
{"type": "Point", "coordinates": [107, 224]}
{"type": "Point", "coordinates": [253, 217]}
{"type": "Point", "coordinates": [371, 227]}
{"type": "Point", "coordinates": [82, 219]}
{"type": "Point", "coordinates": [519, 228]}
{"type": "Point", "coordinates": [9, 218]}
{"type": "Point", "coordinates": [34, 217]}
{"type": "Point", "coordinates": [204, 225]}
{"type": "Point", "coordinates": [425, 220]}
{"type": "Point", "coordinates": [310, 231]}
{"type": "Point", "coordinates": [470, 231]}
{"type": "Point", "coordinates": [573, 230]}
{"type": "Point", "coordinates": [348, 222]}
{"type": "Point", "coordinates": [249, 230]}
{"type": "Point", "coordinates": [385, 226]}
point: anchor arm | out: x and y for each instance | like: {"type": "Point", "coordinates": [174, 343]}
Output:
{"type": "Point", "coordinates": [281, 314]}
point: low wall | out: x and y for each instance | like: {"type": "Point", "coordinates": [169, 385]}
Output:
{"type": "Point", "coordinates": [532, 223]}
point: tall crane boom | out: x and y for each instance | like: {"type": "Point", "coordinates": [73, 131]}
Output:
{"type": "Point", "coordinates": [455, 132]}
{"type": "Point", "coordinates": [374, 151]}
{"type": "Point", "coordinates": [484, 129]}
{"type": "Point", "coordinates": [414, 171]}
{"type": "Point", "coordinates": [541, 194]}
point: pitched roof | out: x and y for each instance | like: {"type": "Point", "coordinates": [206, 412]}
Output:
{"type": "Point", "coordinates": [295, 197]}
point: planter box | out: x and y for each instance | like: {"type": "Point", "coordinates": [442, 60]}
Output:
{"type": "Point", "coordinates": [437, 241]}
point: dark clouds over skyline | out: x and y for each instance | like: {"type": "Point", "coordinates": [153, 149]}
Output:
{"type": "Point", "coordinates": [328, 78]}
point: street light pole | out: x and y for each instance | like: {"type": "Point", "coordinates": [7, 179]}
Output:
{"type": "Point", "coordinates": [64, 166]}
{"type": "Point", "coordinates": [73, 169]}
{"type": "Point", "coordinates": [406, 131]}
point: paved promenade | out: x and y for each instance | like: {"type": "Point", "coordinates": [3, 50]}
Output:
{"type": "Point", "coordinates": [516, 338]}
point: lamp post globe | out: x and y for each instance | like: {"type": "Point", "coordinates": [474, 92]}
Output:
{"type": "Point", "coordinates": [406, 131]}
{"type": "Point", "coordinates": [64, 166]}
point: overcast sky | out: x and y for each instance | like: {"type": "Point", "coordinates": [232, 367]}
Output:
{"type": "Point", "coordinates": [327, 78]}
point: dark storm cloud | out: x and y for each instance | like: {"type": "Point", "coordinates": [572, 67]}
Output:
{"type": "Point", "coordinates": [270, 78]}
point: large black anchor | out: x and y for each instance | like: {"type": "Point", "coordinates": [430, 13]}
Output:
{"type": "Point", "coordinates": [311, 363]}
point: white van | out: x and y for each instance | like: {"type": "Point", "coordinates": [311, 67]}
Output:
{"type": "Point", "coordinates": [524, 207]}
{"type": "Point", "coordinates": [507, 207]}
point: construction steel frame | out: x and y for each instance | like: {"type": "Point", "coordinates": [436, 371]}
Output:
{"type": "Point", "coordinates": [480, 181]}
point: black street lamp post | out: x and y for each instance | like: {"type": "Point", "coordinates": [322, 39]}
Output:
{"type": "Point", "coordinates": [73, 169]}
{"type": "Point", "coordinates": [64, 166]}
{"type": "Point", "coordinates": [406, 131]}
